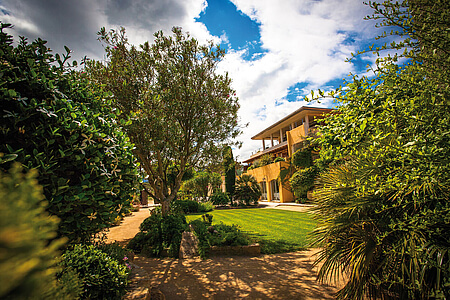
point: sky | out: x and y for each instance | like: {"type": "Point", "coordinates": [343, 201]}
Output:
{"type": "Point", "coordinates": [277, 50]}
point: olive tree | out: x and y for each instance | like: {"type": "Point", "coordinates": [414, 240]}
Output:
{"type": "Point", "coordinates": [181, 110]}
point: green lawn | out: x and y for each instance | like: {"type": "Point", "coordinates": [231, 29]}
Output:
{"type": "Point", "coordinates": [276, 230]}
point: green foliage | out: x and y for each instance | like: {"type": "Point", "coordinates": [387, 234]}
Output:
{"type": "Point", "coordinates": [229, 166]}
{"type": "Point", "coordinates": [247, 190]}
{"type": "Point", "coordinates": [384, 206]}
{"type": "Point", "coordinates": [303, 181]}
{"type": "Point", "coordinates": [55, 121]}
{"type": "Point", "coordinates": [220, 198]}
{"type": "Point", "coordinates": [302, 158]}
{"type": "Point", "coordinates": [159, 233]}
{"type": "Point", "coordinates": [115, 251]}
{"type": "Point", "coordinates": [277, 159]}
{"type": "Point", "coordinates": [103, 276]}
{"type": "Point", "coordinates": [217, 235]}
{"type": "Point", "coordinates": [185, 206]}
{"type": "Point", "coordinates": [202, 184]}
{"type": "Point", "coordinates": [205, 206]}
{"type": "Point", "coordinates": [27, 238]}
{"type": "Point", "coordinates": [182, 110]}
{"type": "Point", "coordinates": [265, 160]}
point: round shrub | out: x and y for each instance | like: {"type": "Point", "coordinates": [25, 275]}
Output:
{"type": "Point", "coordinates": [103, 277]}
{"type": "Point", "coordinates": [220, 198]}
{"type": "Point", "coordinates": [159, 233]}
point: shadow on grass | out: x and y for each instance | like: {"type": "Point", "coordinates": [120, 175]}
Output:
{"type": "Point", "coordinates": [271, 246]}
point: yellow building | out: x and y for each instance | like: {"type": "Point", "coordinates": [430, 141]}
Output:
{"type": "Point", "coordinates": [282, 139]}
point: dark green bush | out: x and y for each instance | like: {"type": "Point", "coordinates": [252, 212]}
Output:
{"type": "Point", "coordinates": [226, 235]}
{"type": "Point", "coordinates": [217, 235]}
{"type": "Point", "coordinates": [103, 277]}
{"type": "Point", "coordinates": [303, 180]}
{"type": "Point", "coordinates": [159, 233]}
{"type": "Point", "coordinates": [220, 198]}
{"type": "Point", "coordinates": [185, 206]}
{"type": "Point", "coordinates": [303, 158]}
{"type": "Point", "coordinates": [55, 121]}
{"type": "Point", "coordinates": [115, 251]}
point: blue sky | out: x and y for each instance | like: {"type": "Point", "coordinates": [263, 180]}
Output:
{"type": "Point", "coordinates": [277, 51]}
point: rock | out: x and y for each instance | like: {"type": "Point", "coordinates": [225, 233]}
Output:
{"type": "Point", "coordinates": [189, 245]}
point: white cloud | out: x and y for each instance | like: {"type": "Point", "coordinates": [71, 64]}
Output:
{"type": "Point", "coordinates": [305, 42]}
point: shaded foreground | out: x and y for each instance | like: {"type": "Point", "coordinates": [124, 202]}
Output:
{"type": "Point", "coordinates": [281, 276]}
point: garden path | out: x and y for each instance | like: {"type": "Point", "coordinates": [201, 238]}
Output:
{"type": "Point", "coordinates": [279, 276]}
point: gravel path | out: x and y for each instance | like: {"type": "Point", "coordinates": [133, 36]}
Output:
{"type": "Point", "coordinates": [280, 276]}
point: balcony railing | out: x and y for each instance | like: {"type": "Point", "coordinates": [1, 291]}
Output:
{"type": "Point", "coordinates": [268, 150]}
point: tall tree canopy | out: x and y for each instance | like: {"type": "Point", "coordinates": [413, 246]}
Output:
{"type": "Point", "coordinates": [181, 110]}
{"type": "Point", "coordinates": [384, 206]}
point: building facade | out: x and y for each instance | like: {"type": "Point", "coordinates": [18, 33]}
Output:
{"type": "Point", "coordinates": [282, 139]}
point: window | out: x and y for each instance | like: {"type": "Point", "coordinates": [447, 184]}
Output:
{"type": "Point", "coordinates": [263, 190]}
{"type": "Point", "coordinates": [275, 190]}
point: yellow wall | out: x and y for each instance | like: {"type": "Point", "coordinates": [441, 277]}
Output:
{"type": "Point", "coordinates": [269, 173]}
{"type": "Point", "coordinates": [295, 136]}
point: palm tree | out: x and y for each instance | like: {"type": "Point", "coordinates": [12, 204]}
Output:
{"type": "Point", "coordinates": [374, 238]}
{"type": "Point", "coordinates": [247, 190]}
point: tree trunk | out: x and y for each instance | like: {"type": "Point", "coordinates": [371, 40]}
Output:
{"type": "Point", "coordinates": [165, 206]}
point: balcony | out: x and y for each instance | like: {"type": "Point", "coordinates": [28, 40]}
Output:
{"type": "Point", "coordinates": [269, 150]}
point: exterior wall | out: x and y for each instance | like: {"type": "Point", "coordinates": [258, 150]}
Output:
{"type": "Point", "coordinates": [295, 136]}
{"type": "Point", "coordinates": [269, 173]}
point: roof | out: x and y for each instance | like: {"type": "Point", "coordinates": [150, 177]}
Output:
{"type": "Point", "coordinates": [286, 121]}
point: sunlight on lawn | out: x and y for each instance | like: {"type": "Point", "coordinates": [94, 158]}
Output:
{"type": "Point", "coordinates": [276, 230]}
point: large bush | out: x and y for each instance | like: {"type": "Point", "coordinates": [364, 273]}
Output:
{"type": "Point", "coordinates": [103, 276]}
{"type": "Point", "coordinates": [220, 198]}
{"type": "Point", "coordinates": [55, 121]}
{"type": "Point", "coordinates": [303, 181]}
{"type": "Point", "coordinates": [159, 233]}
{"type": "Point", "coordinates": [28, 248]}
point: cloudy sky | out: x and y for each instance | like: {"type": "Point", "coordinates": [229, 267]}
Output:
{"type": "Point", "coordinates": [277, 50]}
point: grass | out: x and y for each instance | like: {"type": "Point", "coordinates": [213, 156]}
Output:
{"type": "Point", "coordinates": [276, 230]}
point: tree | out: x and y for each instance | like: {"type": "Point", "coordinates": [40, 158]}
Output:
{"type": "Point", "coordinates": [53, 121]}
{"type": "Point", "coordinates": [229, 167]}
{"type": "Point", "coordinates": [202, 184]}
{"type": "Point", "coordinates": [383, 205]}
{"type": "Point", "coordinates": [181, 110]}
